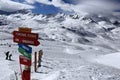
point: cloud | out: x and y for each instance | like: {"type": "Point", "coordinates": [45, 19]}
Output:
{"type": "Point", "coordinates": [57, 3]}
{"type": "Point", "coordinates": [97, 6]}
{"type": "Point", "coordinates": [30, 1]}
{"type": "Point", "coordinates": [82, 6]}
{"type": "Point", "coordinates": [40, 1]}
{"type": "Point", "coordinates": [9, 6]}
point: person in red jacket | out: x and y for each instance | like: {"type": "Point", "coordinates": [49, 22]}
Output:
{"type": "Point", "coordinates": [26, 73]}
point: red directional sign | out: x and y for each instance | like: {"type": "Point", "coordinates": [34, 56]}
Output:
{"type": "Point", "coordinates": [25, 35]}
{"type": "Point", "coordinates": [26, 41]}
{"type": "Point", "coordinates": [24, 60]}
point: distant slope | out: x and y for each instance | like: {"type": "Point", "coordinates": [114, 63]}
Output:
{"type": "Point", "coordinates": [97, 30]}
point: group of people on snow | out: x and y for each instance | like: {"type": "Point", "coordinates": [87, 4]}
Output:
{"type": "Point", "coordinates": [8, 55]}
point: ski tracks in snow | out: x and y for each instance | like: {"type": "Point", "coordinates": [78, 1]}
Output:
{"type": "Point", "coordinates": [65, 67]}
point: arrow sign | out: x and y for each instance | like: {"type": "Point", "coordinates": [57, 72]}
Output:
{"type": "Point", "coordinates": [25, 35]}
{"type": "Point", "coordinates": [24, 60]}
{"type": "Point", "coordinates": [25, 47]}
{"type": "Point", "coordinates": [23, 52]}
{"type": "Point", "coordinates": [26, 41]}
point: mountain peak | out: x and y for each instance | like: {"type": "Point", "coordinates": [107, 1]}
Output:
{"type": "Point", "coordinates": [23, 11]}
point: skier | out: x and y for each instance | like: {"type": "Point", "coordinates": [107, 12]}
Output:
{"type": "Point", "coordinates": [7, 54]}
{"type": "Point", "coordinates": [10, 56]}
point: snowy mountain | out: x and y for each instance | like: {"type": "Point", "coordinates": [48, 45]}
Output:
{"type": "Point", "coordinates": [23, 11]}
{"type": "Point", "coordinates": [71, 44]}
{"type": "Point", "coordinates": [81, 29]}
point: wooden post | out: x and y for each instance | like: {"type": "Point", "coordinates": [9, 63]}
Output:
{"type": "Point", "coordinates": [35, 63]}
{"type": "Point", "coordinates": [39, 58]}
{"type": "Point", "coordinates": [16, 75]}
{"type": "Point", "coordinates": [21, 69]}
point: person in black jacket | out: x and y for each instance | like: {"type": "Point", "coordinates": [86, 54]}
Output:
{"type": "Point", "coordinates": [10, 56]}
{"type": "Point", "coordinates": [7, 55]}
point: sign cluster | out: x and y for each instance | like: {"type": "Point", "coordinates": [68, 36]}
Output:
{"type": "Point", "coordinates": [24, 37]}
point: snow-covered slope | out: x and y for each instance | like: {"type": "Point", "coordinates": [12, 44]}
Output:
{"type": "Point", "coordinates": [95, 30]}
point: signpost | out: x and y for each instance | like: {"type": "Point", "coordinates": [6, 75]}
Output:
{"type": "Point", "coordinates": [24, 60]}
{"type": "Point", "coordinates": [25, 47]}
{"type": "Point", "coordinates": [23, 52]}
{"type": "Point", "coordinates": [23, 29]}
{"type": "Point", "coordinates": [24, 37]}
{"type": "Point", "coordinates": [26, 41]}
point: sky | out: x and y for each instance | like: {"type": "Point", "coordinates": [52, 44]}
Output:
{"type": "Point", "coordinates": [66, 6]}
